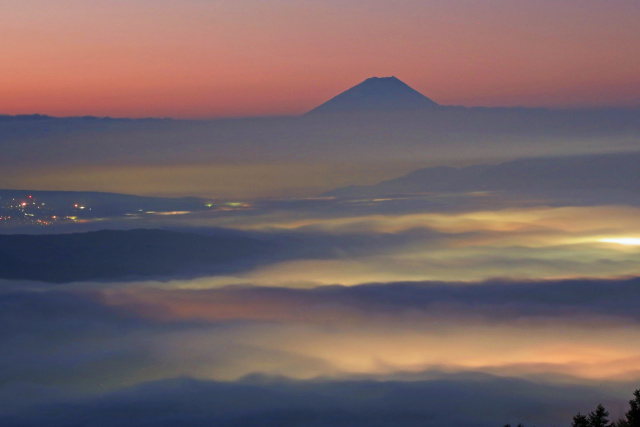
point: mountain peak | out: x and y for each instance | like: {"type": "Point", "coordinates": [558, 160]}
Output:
{"type": "Point", "coordinates": [377, 94]}
{"type": "Point", "coordinates": [376, 78]}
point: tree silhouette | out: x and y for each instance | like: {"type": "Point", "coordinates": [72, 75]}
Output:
{"type": "Point", "coordinates": [599, 417]}
{"type": "Point", "coordinates": [621, 423]}
{"type": "Point", "coordinates": [633, 414]}
{"type": "Point", "coordinates": [580, 421]}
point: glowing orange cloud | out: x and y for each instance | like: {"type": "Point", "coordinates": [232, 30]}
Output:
{"type": "Point", "coordinates": [329, 338]}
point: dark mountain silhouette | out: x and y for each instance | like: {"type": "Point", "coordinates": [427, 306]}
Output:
{"type": "Point", "coordinates": [110, 254]}
{"type": "Point", "coordinates": [377, 94]}
{"type": "Point", "coordinates": [594, 172]}
{"type": "Point", "coordinates": [140, 253]}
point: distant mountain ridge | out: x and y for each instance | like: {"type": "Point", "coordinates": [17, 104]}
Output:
{"type": "Point", "coordinates": [377, 94]}
{"type": "Point", "coordinates": [31, 117]}
{"type": "Point", "coordinates": [589, 172]}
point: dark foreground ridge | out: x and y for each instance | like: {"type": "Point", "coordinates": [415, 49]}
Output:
{"type": "Point", "coordinates": [377, 94]}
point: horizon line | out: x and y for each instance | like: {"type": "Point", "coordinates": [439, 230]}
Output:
{"type": "Point", "coordinates": [36, 116]}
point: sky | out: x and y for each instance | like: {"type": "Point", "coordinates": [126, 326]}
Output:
{"type": "Point", "coordinates": [207, 59]}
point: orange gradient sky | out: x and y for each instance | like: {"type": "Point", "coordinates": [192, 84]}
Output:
{"type": "Point", "coordinates": [199, 58]}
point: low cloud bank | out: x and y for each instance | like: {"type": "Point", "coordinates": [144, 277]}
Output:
{"type": "Point", "coordinates": [474, 400]}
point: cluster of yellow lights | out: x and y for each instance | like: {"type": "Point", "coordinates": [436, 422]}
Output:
{"type": "Point", "coordinates": [627, 241]}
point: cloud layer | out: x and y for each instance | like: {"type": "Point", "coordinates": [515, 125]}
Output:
{"type": "Point", "coordinates": [62, 347]}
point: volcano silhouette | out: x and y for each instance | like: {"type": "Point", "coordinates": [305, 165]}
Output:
{"type": "Point", "coordinates": [377, 94]}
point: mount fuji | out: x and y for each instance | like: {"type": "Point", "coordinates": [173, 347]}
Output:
{"type": "Point", "coordinates": [377, 94]}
